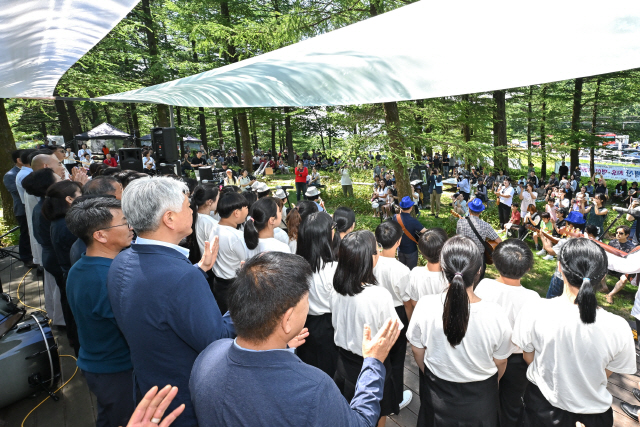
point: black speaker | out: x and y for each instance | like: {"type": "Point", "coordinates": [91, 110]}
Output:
{"type": "Point", "coordinates": [205, 173]}
{"type": "Point", "coordinates": [169, 168]}
{"type": "Point", "coordinates": [164, 144]}
{"type": "Point", "coordinates": [131, 159]}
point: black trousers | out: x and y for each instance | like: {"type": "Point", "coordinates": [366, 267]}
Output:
{"type": "Point", "coordinates": [114, 393]}
{"type": "Point", "coordinates": [70, 322]}
{"type": "Point", "coordinates": [504, 213]}
{"type": "Point", "coordinates": [301, 188]}
{"type": "Point", "coordinates": [221, 293]}
{"type": "Point", "coordinates": [512, 387]}
{"type": "Point", "coordinates": [24, 245]}
{"type": "Point", "coordinates": [397, 355]}
{"type": "Point", "coordinates": [319, 349]}
{"type": "Point", "coordinates": [538, 412]}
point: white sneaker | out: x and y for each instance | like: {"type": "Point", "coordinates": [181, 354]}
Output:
{"type": "Point", "coordinates": [407, 395]}
{"type": "Point", "coordinates": [541, 253]}
{"type": "Point", "coordinates": [548, 258]}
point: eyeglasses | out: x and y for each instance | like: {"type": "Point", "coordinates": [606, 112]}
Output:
{"type": "Point", "coordinates": [114, 226]}
{"type": "Point", "coordinates": [620, 232]}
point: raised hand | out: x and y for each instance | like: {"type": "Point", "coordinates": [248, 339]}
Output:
{"type": "Point", "coordinates": [79, 175]}
{"type": "Point", "coordinates": [381, 344]}
{"type": "Point", "coordinates": [151, 409]}
{"type": "Point", "coordinates": [210, 254]}
{"type": "Point", "coordinates": [299, 339]}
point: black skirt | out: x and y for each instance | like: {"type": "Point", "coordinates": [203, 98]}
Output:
{"type": "Point", "coordinates": [221, 292]}
{"type": "Point", "coordinates": [445, 403]}
{"type": "Point", "coordinates": [319, 349]}
{"type": "Point", "coordinates": [512, 387]}
{"type": "Point", "coordinates": [346, 378]}
{"type": "Point", "coordinates": [398, 353]}
{"type": "Point", "coordinates": [538, 412]}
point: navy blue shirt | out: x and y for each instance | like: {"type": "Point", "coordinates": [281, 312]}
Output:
{"type": "Point", "coordinates": [103, 349]}
{"type": "Point", "coordinates": [9, 181]}
{"type": "Point", "coordinates": [231, 386]}
{"type": "Point", "coordinates": [165, 309]}
{"type": "Point", "coordinates": [413, 226]}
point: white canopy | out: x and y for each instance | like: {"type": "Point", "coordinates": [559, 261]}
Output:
{"type": "Point", "coordinates": [423, 50]}
{"type": "Point", "coordinates": [41, 39]}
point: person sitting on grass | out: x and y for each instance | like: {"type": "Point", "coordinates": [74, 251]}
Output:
{"type": "Point", "coordinates": [546, 226]}
{"type": "Point", "coordinates": [513, 222]}
{"type": "Point", "coordinates": [460, 205]}
{"type": "Point", "coordinates": [623, 243]}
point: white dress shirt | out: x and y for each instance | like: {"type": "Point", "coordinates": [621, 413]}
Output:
{"type": "Point", "coordinates": [393, 275]}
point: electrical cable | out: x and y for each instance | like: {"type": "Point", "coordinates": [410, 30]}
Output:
{"type": "Point", "coordinates": [60, 388]}
{"type": "Point", "coordinates": [18, 293]}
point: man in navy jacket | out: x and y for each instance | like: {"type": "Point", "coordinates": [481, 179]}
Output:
{"type": "Point", "coordinates": [161, 302]}
{"type": "Point", "coordinates": [257, 380]}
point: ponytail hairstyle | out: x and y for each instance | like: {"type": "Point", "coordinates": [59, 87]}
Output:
{"type": "Point", "coordinates": [583, 265]}
{"type": "Point", "coordinates": [261, 212]}
{"type": "Point", "coordinates": [314, 240]}
{"type": "Point", "coordinates": [296, 216]}
{"type": "Point", "coordinates": [461, 262]}
{"type": "Point", "coordinates": [200, 195]}
{"type": "Point", "coordinates": [345, 218]}
{"type": "Point", "coordinates": [355, 263]}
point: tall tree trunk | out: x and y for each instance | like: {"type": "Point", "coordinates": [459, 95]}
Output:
{"type": "Point", "coordinates": [76, 128]}
{"type": "Point", "coordinates": [594, 119]}
{"type": "Point", "coordinates": [254, 131]}
{"type": "Point", "coordinates": [466, 126]}
{"type": "Point", "coordinates": [543, 132]}
{"type": "Point", "coordinates": [128, 117]}
{"type": "Point", "coordinates": [330, 134]}
{"type": "Point", "coordinates": [236, 132]}
{"type": "Point", "coordinates": [43, 130]}
{"type": "Point", "coordinates": [529, 110]}
{"type": "Point", "coordinates": [63, 117]}
{"type": "Point", "coordinates": [203, 129]}
{"type": "Point", "coordinates": [575, 125]}
{"type": "Point", "coordinates": [154, 60]}
{"type": "Point", "coordinates": [107, 114]}
{"type": "Point", "coordinates": [179, 116]}
{"type": "Point", "coordinates": [95, 117]}
{"type": "Point", "coordinates": [243, 124]}
{"type": "Point", "coordinates": [136, 125]}
{"type": "Point", "coordinates": [397, 148]}
{"type": "Point", "coordinates": [7, 146]}
{"type": "Point", "coordinates": [273, 133]}
{"type": "Point", "coordinates": [500, 155]}
{"type": "Point", "coordinates": [289, 136]}
{"type": "Point", "coordinates": [219, 126]}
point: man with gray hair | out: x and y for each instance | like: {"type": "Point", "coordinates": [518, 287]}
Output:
{"type": "Point", "coordinates": [161, 302]}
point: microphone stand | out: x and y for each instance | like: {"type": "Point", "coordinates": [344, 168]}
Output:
{"type": "Point", "coordinates": [610, 225]}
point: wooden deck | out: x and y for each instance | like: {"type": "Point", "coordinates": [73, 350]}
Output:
{"type": "Point", "coordinates": [77, 405]}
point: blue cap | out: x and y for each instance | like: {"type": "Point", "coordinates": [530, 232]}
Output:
{"type": "Point", "coordinates": [476, 205]}
{"type": "Point", "coordinates": [575, 217]}
{"type": "Point", "coordinates": [406, 202]}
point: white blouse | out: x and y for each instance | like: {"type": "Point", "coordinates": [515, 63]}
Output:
{"type": "Point", "coordinates": [205, 230]}
{"type": "Point", "coordinates": [424, 282]}
{"type": "Point", "coordinates": [270, 244]}
{"type": "Point", "coordinates": [232, 251]}
{"type": "Point", "coordinates": [321, 289]}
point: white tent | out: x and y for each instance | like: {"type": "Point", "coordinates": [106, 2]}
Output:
{"type": "Point", "coordinates": [423, 50]}
{"type": "Point", "coordinates": [41, 39]}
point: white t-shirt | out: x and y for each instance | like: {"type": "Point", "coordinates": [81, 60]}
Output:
{"type": "Point", "coordinates": [205, 230]}
{"type": "Point", "coordinates": [232, 251]}
{"type": "Point", "coordinates": [373, 306]}
{"type": "Point", "coordinates": [321, 289]}
{"type": "Point", "coordinates": [293, 246]}
{"type": "Point", "coordinates": [424, 282]}
{"type": "Point", "coordinates": [345, 178]}
{"type": "Point", "coordinates": [510, 298]}
{"type": "Point", "coordinates": [570, 356]}
{"type": "Point", "coordinates": [507, 200]}
{"type": "Point", "coordinates": [270, 244]}
{"type": "Point", "coordinates": [527, 199]}
{"type": "Point", "coordinates": [281, 235]}
{"type": "Point", "coordinates": [488, 336]}
{"type": "Point", "coordinates": [393, 275]}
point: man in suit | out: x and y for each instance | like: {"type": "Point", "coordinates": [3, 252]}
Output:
{"type": "Point", "coordinates": [9, 180]}
{"type": "Point", "coordinates": [161, 302]}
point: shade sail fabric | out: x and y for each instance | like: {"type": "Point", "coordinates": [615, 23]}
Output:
{"type": "Point", "coordinates": [190, 138]}
{"type": "Point", "coordinates": [103, 131]}
{"type": "Point", "coordinates": [423, 50]}
{"type": "Point", "coordinates": [41, 39]}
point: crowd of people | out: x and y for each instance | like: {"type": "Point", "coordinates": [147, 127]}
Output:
{"type": "Point", "coordinates": [261, 315]}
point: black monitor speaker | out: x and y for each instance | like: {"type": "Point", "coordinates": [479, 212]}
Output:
{"type": "Point", "coordinates": [164, 144]}
{"type": "Point", "coordinates": [205, 173]}
{"type": "Point", "coordinates": [169, 168]}
{"type": "Point", "coordinates": [131, 159]}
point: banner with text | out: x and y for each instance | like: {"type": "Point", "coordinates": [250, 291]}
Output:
{"type": "Point", "coordinates": [630, 173]}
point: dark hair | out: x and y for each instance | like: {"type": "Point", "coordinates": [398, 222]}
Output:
{"type": "Point", "coordinates": [201, 194]}
{"type": "Point", "coordinates": [564, 212]}
{"type": "Point", "coordinates": [344, 218]}
{"type": "Point", "coordinates": [126, 176]}
{"type": "Point", "coordinates": [513, 258]}
{"type": "Point", "coordinates": [110, 171]}
{"type": "Point", "coordinates": [24, 156]}
{"type": "Point", "coordinates": [96, 168]}
{"type": "Point", "coordinates": [89, 215]}
{"type": "Point", "coordinates": [266, 287]}
{"type": "Point", "coordinates": [601, 197]}
{"type": "Point", "coordinates": [34, 153]}
{"type": "Point", "coordinates": [250, 197]}
{"type": "Point", "coordinates": [355, 263]}
{"type": "Point", "coordinates": [625, 228]}
{"type": "Point", "coordinates": [591, 229]}
{"type": "Point", "coordinates": [229, 189]}
{"type": "Point", "coordinates": [55, 206]}
{"type": "Point", "coordinates": [15, 155]}
{"type": "Point", "coordinates": [297, 215]}
{"type": "Point", "coordinates": [229, 202]}
{"type": "Point", "coordinates": [100, 185]}
{"type": "Point", "coordinates": [584, 264]}
{"type": "Point", "coordinates": [388, 233]}
{"type": "Point", "coordinates": [37, 183]}
{"type": "Point", "coordinates": [261, 212]}
{"type": "Point", "coordinates": [430, 244]}
{"type": "Point", "coordinates": [314, 240]}
{"type": "Point", "coordinates": [545, 215]}
{"type": "Point", "coordinates": [461, 262]}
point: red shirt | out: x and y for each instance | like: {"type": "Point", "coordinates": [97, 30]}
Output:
{"type": "Point", "coordinates": [515, 217]}
{"type": "Point", "coordinates": [301, 176]}
{"type": "Point", "coordinates": [105, 150]}
{"type": "Point", "coordinates": [111, 162]}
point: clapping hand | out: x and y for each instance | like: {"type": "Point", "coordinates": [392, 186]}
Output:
{"type": "Point", "coordinates": [79, 175]}
{"type": "Point", "coordinates": [210, 254]}
{"type": "Point", "coordinates": [299, 339]}
{"type": "Point", "coordinates": [151, 409]}
{"type": "Point", "coordinates": [381, 344]}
